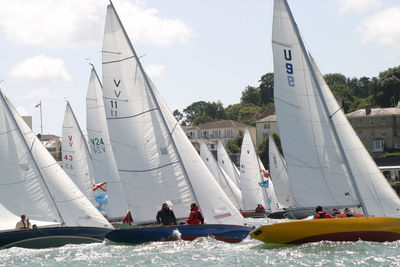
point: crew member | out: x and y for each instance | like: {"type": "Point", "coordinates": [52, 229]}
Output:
{"type": "Point", "coordinates": [23, 224]}
{"type": "Point", "coordinates": [321, 214]}
{"type": "Point", "coordinates": [195, 216]}
{"type": "Point", "coordinates": [166, 216]}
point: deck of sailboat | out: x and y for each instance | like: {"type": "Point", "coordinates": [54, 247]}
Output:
{"type": "Point", "coordinates": [379, 229]}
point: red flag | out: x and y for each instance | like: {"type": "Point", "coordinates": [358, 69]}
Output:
{"type": "Point", "coordinates": [38, 105]}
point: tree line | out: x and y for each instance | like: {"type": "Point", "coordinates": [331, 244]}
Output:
{"type": "Point", "coordinates": [353, 93]}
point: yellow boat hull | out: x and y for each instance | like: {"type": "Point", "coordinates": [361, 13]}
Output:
{"type": "Point", "coordinates": [379, 229]}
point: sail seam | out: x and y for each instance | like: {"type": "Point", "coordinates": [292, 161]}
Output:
{"type": "Point", "coordinates": [132, 116]}
{"type": "Point", "coordinates": [160, 167]}
{"type": "Point", "coordinates": [119, 60]}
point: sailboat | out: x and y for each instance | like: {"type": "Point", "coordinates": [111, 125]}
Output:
{"type": "Point", "coordinates": [156, 161]}
{"type": "Point", "coordinates": [227, 165]}
{"type": "Point", "coordinates": [104, 165]}
{"type": "Point", "coordinates": [225, 182]}
{"type": "Point", "coordinates": [255, 184]}
{"type": "Point", "coordinates": [76, 158]}
{"type": "Point", "coordinates": [32, 183]}
{"type": "Point", "coordinates": [326, 161]}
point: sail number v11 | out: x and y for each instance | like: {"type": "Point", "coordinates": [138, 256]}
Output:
{"type": "Point", "coordinates": [289, 67]}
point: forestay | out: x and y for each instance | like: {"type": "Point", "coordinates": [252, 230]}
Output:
{"type": "Point", "coordinates": [146, 139]}
{"type": "Point", "coordinates": [105, 168]}
{"type": "Point", "coordinates": [33, 183]}
{"type": "Point", "coordinates": [226, 163]}
{"type": "Point", "coordinates": [77, 161]}
{"type": "Point", "coordinates": [278, 174]}
{"type": "Point", "coordinates": [220, 175]}
{"type": "Point", "coordinates": [325, 159]}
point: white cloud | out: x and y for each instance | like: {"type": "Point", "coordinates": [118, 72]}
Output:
{"type": "Point", "coordinates": [41, 68]}
{"type": "Point", "coordinates": [383, 28]}
{"type": "Point", "coordinates": [154, 70]}
{"type": "Point", "coordinates": [358, 6]}
{"type": "Point", "coordinates": [60, 23]}
{"type": "Point", "coordinates": [39, 93]}
{"type": "Point", "coordinates": [145, 25]}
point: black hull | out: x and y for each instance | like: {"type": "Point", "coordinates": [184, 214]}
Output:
{"type": "Point", "coordinates": [52, 237]}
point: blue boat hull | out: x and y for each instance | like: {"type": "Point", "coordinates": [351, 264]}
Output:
{"type": "Point", "coordinates": [52, 237]}
{"type": "Point", "coordinates": [226, 233]}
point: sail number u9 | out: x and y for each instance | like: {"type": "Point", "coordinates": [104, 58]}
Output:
{"type": "Point", "coordinates": [289, 66]}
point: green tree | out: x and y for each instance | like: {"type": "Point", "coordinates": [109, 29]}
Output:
{"type": "Point", "coordinates": [234, 145]}
{"type": "Point", "coordinates": [267, 88]}
{"type": "Point", "coordinates": [335, 78]}
{"type": "Point", "coordinates": [178, 115]}
{"type": "Point", "coordinates": [263, 148]}
{"type": "Point", "coordinates": [205, 110]}
{"type": "Point", "coordinates": [251, 95]}
{"type": "Point", "coordinates": [203, 118]}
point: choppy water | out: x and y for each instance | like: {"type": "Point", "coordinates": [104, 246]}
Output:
{"type": "Point", "coordinates": [208, 252]}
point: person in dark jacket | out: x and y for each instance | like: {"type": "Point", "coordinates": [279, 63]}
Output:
{"type": "Point", "coordinates": [321, 214]}
{"type": "Point", "coordinates": [166, 216]}
{"type": "Point", "coordinates": [195, 216]}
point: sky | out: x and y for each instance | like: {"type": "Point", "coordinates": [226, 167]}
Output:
{"type": "Point", "coordinates": [193, 50]}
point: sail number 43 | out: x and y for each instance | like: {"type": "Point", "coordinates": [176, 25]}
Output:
{"type": "Point", "coordinates": [289, 66]}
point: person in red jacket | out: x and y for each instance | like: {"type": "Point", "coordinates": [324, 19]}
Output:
{"type": "Point", "coordinates": [321, 214]}
{"type": "Point", "coordinates": [195, 216]}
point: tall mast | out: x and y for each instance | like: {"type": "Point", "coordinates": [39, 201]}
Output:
{"type": "Point", "coordinates": [155, 101]}
{"type": "Point", "coordinates": [336, 135]}
{"type": "Point", "coordinates": [30, 153]}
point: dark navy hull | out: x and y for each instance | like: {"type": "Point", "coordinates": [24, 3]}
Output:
{"type": "Point", "coordinates": [226, 233]}
{"type": "Point", "coordinates": [52, 237]}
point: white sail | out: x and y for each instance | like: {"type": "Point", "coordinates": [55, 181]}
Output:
{"type": "Point", "coordinates": [278, 174]}
{"type": "Point", "coordinates": [251, 175]}
{"type": "Point", "coordinates": [104, 165]}
{"type": "Point", "coordinates": [273, 204]}
{"type": "Point", "coordinates": [77, 161]}
{"type": "Point", "coordinates": [146, 139]}
{"type": "Point", "coordinates": [327, 163]}
{"type": "Point", "coordinates": [33, 183]}
{"type": "Point", "coordinates": [226, 163]}
{"type": "Point", "coordinates": [224, 181]}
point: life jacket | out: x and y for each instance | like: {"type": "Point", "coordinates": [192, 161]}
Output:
{"type": "Point", "coordinates": [195, 216]}
{"type": "Point", "coordinates": [128, 218]}
{"type": "Point", "coordinates": [323, 215]}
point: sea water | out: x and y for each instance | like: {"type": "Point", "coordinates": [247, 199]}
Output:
{"type": "Point", "coordinates": [209, 252]}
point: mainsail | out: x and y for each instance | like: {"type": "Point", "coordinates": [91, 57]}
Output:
{"type": "Point", "coordinates": [104, 165]}
{"type": "Point", "coordinates": [327, 163]}
{"type": "Point", "coordinates": [77, 161]}
{"type": "Point", "coordinates": [224, 181]}
{"type": "Point", "coordinates": [33, 183]}
{"type": "Point", "coordinates": [278, 174]}
{"type": "Point", "coordinates": [226, 163]}
{"type": "Point", "coordinates": [155, 159]}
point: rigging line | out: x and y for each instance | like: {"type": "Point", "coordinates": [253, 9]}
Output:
{"type": "Point", "coordinates": [160, 167]}
{"type": "Point", "coordinates": [119, 60]}
{"type": "Point", "coordinates": [132, 116]}
{"type": "Point", "coordinates": [330, 117]}
{"type": "Point", "coordinates": [173, 129]}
